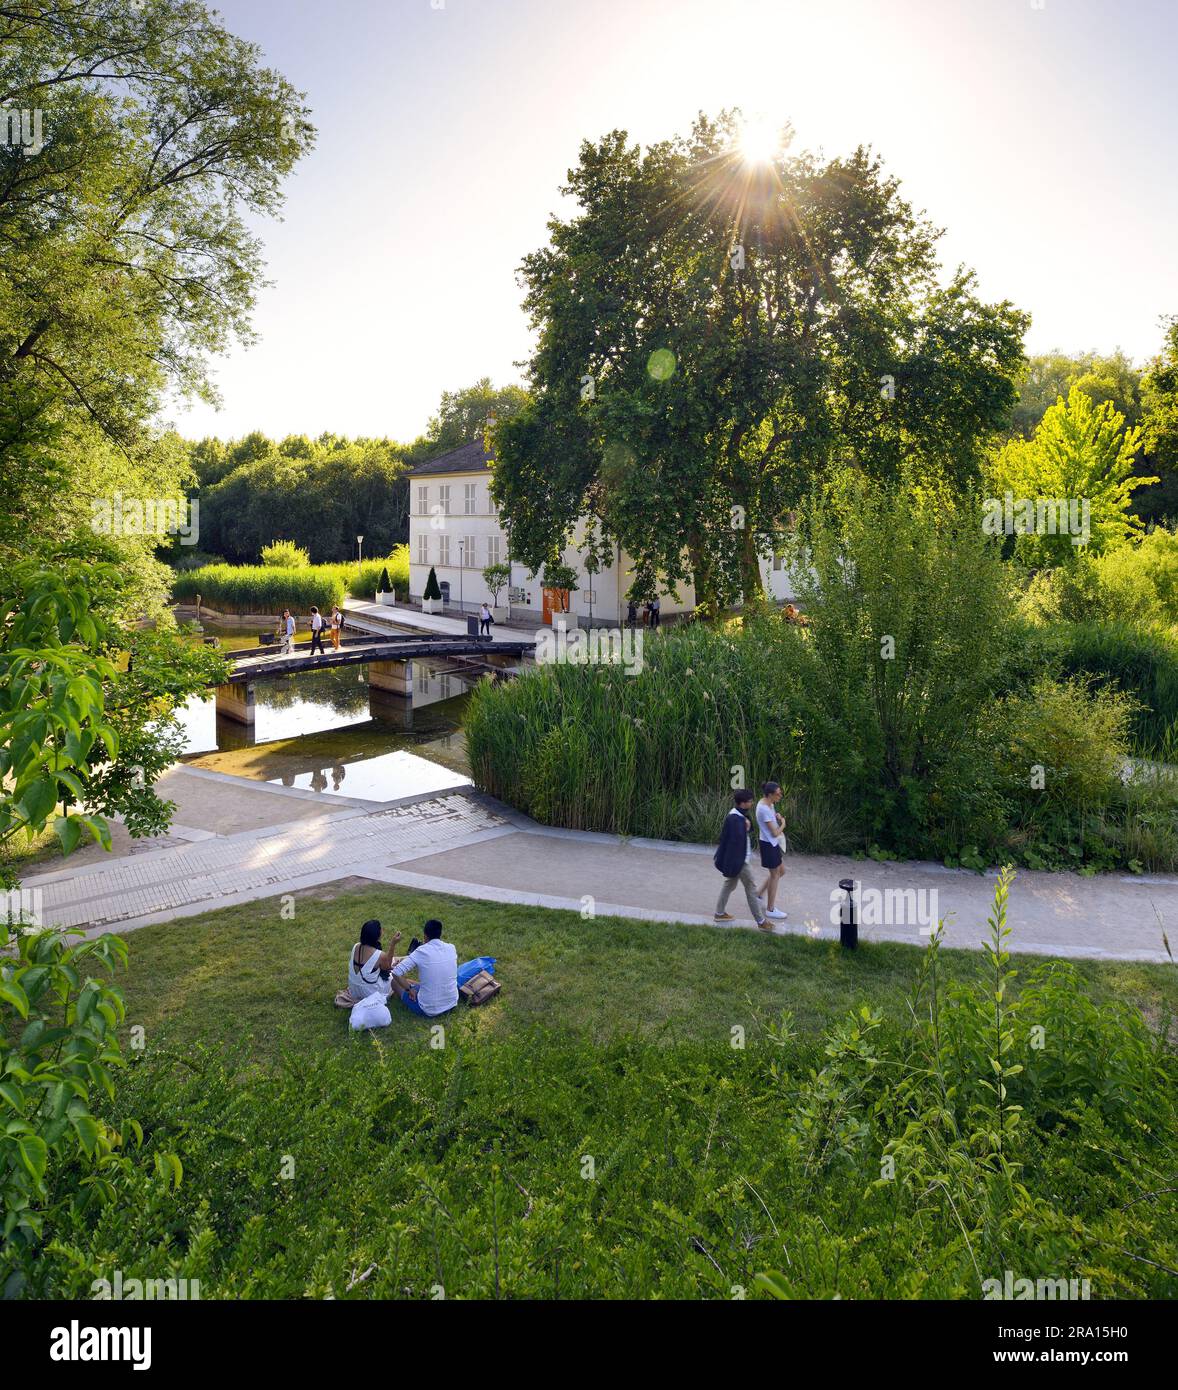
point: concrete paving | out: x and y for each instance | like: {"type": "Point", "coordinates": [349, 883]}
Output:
{"type": "Point", "coordinates": [272, 840]}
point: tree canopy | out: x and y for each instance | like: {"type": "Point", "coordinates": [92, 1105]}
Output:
{"type": "Point", "coordinates": [713, 337]}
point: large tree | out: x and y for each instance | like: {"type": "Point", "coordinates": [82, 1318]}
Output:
{"type": "Point", "coordinates": [713, 335]}
{"type": "Point", "coordinates": [125, 254]}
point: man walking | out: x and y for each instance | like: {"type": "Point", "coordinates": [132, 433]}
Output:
{"type": "Point", "coordinates": [316, 631]}
{"type": "Point", "coordinates": [288, 632]}
{"type": "Point", "coordinates": [731, 858]}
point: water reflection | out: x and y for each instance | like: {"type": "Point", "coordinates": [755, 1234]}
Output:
{"type": "Point", "coordinates": [332, 734]}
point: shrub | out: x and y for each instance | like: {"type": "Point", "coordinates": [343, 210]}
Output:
{"type": "Point", "coordinates": [1140, 581]}
{"type": "Point", "coordinates": [1064, 745]}
{"type": "Point", "coordinates": [59, 1162]}
{"type": "Point", "coordinates": [1142, 662]}
{"type": "Point", "coordinates": [385, 587]}
{"type": "Point", "coordinates": [432, 588]}
{"type": "Point", "coordinates": [285, 555]}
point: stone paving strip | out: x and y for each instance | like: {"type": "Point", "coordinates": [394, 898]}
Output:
{"type": "Point", "coordinates": [104, 895]}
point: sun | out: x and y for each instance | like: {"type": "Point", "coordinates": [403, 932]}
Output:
{"type": "Point", "coordinates": [760, 140]}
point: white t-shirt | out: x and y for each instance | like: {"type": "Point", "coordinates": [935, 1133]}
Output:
{"type": "Point", "coordinates": [290, 627]}
{"type": "Point", "coordinates": [767, 820]}
{"type": "Point", "coordinates": [316, 621]}
{"type": "Point", "coordinates": [436, 963]}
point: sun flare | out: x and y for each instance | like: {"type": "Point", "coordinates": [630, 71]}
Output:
{"type": "Point", "coordinates": [759, 140]}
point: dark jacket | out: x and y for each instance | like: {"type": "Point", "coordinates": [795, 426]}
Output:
{"type": "Point", "coordinates": [734, 844]}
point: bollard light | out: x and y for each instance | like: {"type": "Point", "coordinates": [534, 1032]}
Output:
{"type": "Point", "coordinates": [848, 928]}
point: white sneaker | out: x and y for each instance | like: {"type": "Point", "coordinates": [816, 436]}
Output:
{"type": "Point", "coordinates": [775, 912]}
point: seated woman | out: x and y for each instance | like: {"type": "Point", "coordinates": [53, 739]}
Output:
{"type": "Point", "coordinates": [368, 965]}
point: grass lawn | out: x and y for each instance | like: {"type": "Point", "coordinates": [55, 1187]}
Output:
{"type": "Point", "coordinates": [246, 972]}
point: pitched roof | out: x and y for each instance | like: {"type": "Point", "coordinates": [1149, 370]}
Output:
{"type": "Point", "coordinates": [467, 458]}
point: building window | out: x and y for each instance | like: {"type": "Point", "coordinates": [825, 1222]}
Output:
{"type": "Point", "coordinates": [443, 549]}
{"type": "Point", "coordinates": [444, 498]}
{"type": "Point", "coordinates": [492, 550]}
{"type": "Point", "coordinates": [778, 561]}
{"type": "Point", "coordinates": [423, 550]}
{"type": "Point", "coordinates": [469, 552]}
{"type": "Point", "coordinates": [422, 499]}
{"type": "Point", "coordinates": [470, 490]}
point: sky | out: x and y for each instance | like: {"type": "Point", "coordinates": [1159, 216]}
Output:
{"type": "Point", "coordinates": [1038, 133]}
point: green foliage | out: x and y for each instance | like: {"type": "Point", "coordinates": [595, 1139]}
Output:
{"type": "Point", "coordinates": [322, 493]}
{"type": "Point", "coordinates": [1141, 662]}
{"type": "Point", "coordinates": [52, 703]}
{"type": "Point", "coordinates": [285, 555]}
{"type": "Point", "coordinates": [60, 1163]}
{"type": "Point", "coordinates": [560, 576]}
{"type": "Point", "coordinates": [1159, 398]}
{"type": "Point", "coordinates": [497, 578]}
{"type": "Point", "coordinates": [1140, 582]}
{"type": "Point", "coordinates": [385, 586]}
{"type": "Point", "coordinates": [904, 720]}
{"type": "Point", "coordinates": [432, 588]}
{"type": "Point", "coordinates": [1080, 453]}
{"type": "Point", "coordinates": [262, 588]}
{"type": "Point", "coordinates": [1072, 739]}
{"type": "Point", "coordinates": [1027, 1129]}
{"type": "Point", "coordinates": [775, 373]}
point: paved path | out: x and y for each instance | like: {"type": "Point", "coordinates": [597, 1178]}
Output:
{"type": "Point", "coordinates": [379, 617]}
{"type": "Point", "coordinates": [462, 844]}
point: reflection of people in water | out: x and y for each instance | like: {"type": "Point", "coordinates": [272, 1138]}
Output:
{"type": "Point", "coordinates": [319, 780]}
{"type": "Point", "coordinates": [337, 776]}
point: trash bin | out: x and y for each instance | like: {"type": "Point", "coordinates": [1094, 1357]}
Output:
{"type": "Point", "coordinates": [472, 625]}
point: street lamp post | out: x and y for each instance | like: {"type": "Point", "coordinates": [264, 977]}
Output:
{"type": "Point", "coordinates": [461, 563]}
{"type": "Point", "coordinates": [359, 553]}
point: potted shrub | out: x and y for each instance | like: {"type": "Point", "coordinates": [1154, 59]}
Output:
{"type": "Point", "coordinates": [497, 578]}
{"type": "Point", "coordinates": [431, 600]}
{"type": "Point", "coordinates": [384, 592]}
{"type": "Point", "coordinates": [558, 576]}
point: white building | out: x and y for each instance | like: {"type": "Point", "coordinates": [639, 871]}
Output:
{"type": "Point", "coordinates": [454, 529]}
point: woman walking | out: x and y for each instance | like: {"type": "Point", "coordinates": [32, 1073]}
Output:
{"type": "Point", "coordinates": [485, 620]}
{"type": "Point", "coordinates": [337, 623]}
{"type": "Point", "coordinates": [771, 828]}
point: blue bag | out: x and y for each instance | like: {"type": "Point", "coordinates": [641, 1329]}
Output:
{"type": "Point", "coordinates": [471, 968]}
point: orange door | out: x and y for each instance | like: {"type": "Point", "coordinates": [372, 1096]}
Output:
{"type": "Point", "coordinates": [555, 601]}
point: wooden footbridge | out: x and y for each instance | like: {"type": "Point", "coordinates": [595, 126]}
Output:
{"type": "Point", "coordinates": [389, 661]}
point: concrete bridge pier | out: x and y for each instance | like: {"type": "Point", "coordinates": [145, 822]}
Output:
{"type": "Point", "coordinates": [236, 701]}
{"type": "Point", "coordinates": [394, 677]}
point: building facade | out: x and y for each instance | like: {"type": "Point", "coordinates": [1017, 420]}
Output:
{"type": "Point", "coordinates": [454, 529]}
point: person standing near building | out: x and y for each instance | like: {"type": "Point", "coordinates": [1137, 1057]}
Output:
{"type": "Point", "coordinates": [655, 611]}
{"type": "Point", "coordinates": [731, 858]}
{"type": "Point", "coordinates": [485, 620]}
{"type": "Point", "coordinates": [316, 631]}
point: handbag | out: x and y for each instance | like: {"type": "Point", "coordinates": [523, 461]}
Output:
{"type": "Point", "coordinates": [480, 988]}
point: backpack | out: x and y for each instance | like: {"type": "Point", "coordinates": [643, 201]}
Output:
{"type": "Point", "coordinates": [479, 989]}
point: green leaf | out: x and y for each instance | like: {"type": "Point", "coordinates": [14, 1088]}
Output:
{"type": "Point", "coordinates": [34, 1155]}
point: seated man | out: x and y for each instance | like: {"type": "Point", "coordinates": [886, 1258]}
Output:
{"type": "Point", "coordinates": [436, 963]}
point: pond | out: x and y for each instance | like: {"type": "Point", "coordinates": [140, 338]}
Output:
{"type": "Point", "coordinates": [323, 731]}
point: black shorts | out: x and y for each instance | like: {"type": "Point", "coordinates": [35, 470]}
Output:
{"type": "Point", "coordinates": [770, 855]}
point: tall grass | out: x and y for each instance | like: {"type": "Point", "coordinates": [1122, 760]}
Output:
{"type": "Point", "coordinates": [597, 749]}
{"type": "Point", "coordinates": [270, 588]}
